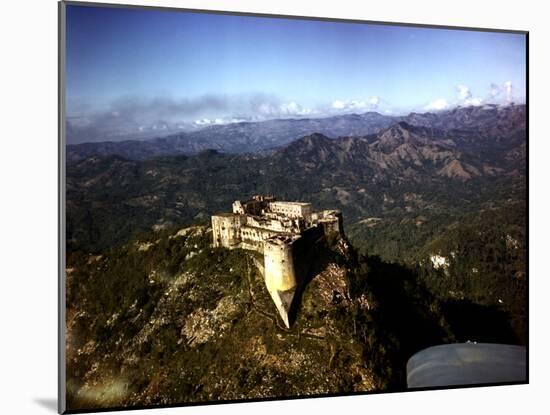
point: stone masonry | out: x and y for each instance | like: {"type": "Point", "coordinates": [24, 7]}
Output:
{"type": "Point", "coordinates": [274, 228]}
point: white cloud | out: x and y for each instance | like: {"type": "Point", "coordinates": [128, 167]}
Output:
{"type": "Point", "coordinates": [508, 90]}
{"type": "Point", "coordinates": [499, 93]}
{"type": "Point", "coordinates": [274, 110]}
{"type": "Point", "coordinates": [495, 90]}
{"type": "Point", "coordinates": [472, 102]}
{"type": "Point", "coordinates": [356, 105]}
{"type": "Point", "coordinates": [464, 92]}
{"type": "Point", "coordinates": [466, 98]}
{"type": "Point", "coordinates": [292, 108]}
{"type": "Point", "coordinates": [203, 121]}
{"type": "Point", "coordinates": [437, 105]}
{"type": "Point", "coordinates": [503, 94]}
{"type": "Point", "coordinates": [374, 101]}
{"type": "Point", "coordinates": [266, 108]}
{"type": "Point", "coordinates": [338, 105]}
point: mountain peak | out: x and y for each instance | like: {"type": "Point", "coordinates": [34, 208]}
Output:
{"type": "Point", "coordinates": [403, 124]}
{"type": "Point", "coordinates": [317, 136]}
{"type": "Point", "coordinates": [314, 148]}
{"type": "Point", "coordinates": [314, 139]}
{"type": "Point", "coordinates": [399, 131]}
{"type": "Point", "coordinates": [209, 152]}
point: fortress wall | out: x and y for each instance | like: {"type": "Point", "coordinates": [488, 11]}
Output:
{"type": "Point", "coordinates": [279, 266]}
{"type": "Point", "coordinates": [291, 238]}
{"type": "Point", "coordinates": [330, 225]}
{"type": "Point", "coordinates": [307, 211]}
{"type": "Point", "coordinates": [303, 250]}
{"type": "Point", "coordinates": [331, 221]}
{"type": "Point", "coordinates": [238, 207]}
{"type": "Point", "coordinates": [252, 246]}
{"type": "Point", "coordinates": [280, 278]}
{"type": "Point", "coordinates": [226, 230]}
{"type": "Point", "coordinates": [286, 265]}
{"type": "Point", "coordinates": [257, 234]}
{"type": "Point", "coordinates": [254, 206]}
{"type": "Point", "coordinates": [292, 209]}
{"type": "Point", "coordinates": [253, 238]}
{"type": "Point", "coordinates": [274, 222]}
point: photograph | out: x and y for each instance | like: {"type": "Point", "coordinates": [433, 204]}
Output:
{"type": "Point", "coordinates": [264, 207]}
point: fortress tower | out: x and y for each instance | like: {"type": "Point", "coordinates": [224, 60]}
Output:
{"type": "Point", "coordinates": [280, 276]}
{"type": "Point", "coordinates": [283, 232]}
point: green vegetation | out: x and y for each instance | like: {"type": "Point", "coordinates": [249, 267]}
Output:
{"type": "Point", "coordinates": [173, 320]}
{"type": "Point", "coordinates": [156, 315]}
{"type": "Point", "coordinates": [487, 257]}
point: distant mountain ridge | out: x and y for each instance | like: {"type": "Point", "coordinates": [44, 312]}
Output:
{"type": "Point", "coordinates": [399, 151]}
{"type": "Point", "coordinates": [241, 137]}
{"type": "Point", "coordinates": [254, 137]}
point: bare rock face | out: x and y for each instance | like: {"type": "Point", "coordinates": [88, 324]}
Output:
{"type": "Point", "coordinates": [457, 170]}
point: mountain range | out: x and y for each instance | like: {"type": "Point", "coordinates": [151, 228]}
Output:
{"type": "Point", "coordinates": [403, 171]}
{"type": "Point", "coordinates": [253, 137]}
{"type": "Point", "coordinates": [434, 209]}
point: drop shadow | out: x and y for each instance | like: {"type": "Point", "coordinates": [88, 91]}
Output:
{"type": "Point", "coordinates": [48, 403]}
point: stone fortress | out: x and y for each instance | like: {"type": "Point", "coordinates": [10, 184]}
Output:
{"type": "Point", "coordinates": [286, 233]}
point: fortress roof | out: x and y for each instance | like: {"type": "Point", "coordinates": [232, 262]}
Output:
{"type": "Point", "coordinates": [282, 239]}
{"type": "Point", "coordinates": [283, 202]}
{"type": "Point", "coordinates": [226, 214]}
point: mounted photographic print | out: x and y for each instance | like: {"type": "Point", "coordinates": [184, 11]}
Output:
{"type": "Point", "coordinates": [258, 207]}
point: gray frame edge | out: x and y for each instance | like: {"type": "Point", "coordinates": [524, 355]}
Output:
{"type": "Point", "coordinates": [289, 16]}
{"type": "Point", "coordinates": [61, 237]}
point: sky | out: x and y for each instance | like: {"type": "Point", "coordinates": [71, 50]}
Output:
{"type": "Point", "coordinates": [131, 73]}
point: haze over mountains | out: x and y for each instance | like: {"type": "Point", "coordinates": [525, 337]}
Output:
{"type": "Point", "coordinates": [252, 137]}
